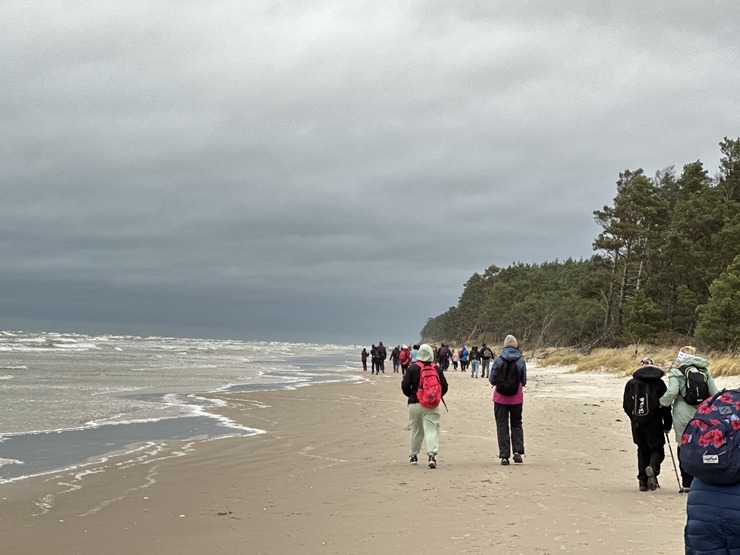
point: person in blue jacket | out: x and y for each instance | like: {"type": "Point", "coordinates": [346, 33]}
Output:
{"type": "Point", "coordinates": [713, 519]}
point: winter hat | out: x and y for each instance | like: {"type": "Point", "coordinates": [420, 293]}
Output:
{"type": "Point", "coordinates": [425, 354]}
{"type": "Point", "coordinates": [510, 341]}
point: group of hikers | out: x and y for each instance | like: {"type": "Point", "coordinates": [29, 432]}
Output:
{"type": "Point", "coordinates": [704, 420]}
{"type": "Point", "coordinates": [424, 384]}
{"type": "Point", "coordinates": [706, 424]}
{"type": "Point", "coordinates": [401, 356]}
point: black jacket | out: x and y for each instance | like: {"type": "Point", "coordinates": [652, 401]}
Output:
{"type": "Point", "coordinates": [410, 382]}
{"type": "Point", "coordinates": [661, 419]}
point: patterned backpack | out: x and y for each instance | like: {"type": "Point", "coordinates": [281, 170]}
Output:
{"type": "Point", "coordinates": [710, 445]}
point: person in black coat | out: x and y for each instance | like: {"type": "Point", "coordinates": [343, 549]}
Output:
{"type": "Point", "coordinates": [649, 421]}
{"type": "Point", "coordinates": [423, 421]}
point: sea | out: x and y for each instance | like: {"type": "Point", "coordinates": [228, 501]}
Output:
{"type": "Point", "coordinates": [69, 399]}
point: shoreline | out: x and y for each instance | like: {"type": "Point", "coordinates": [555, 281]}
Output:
{"type": "Point", "coordinates": [330, 475]}
{"type": "Point", "coordinates": [65, 449]}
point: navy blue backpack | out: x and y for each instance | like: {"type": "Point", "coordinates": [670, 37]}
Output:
{"type": "Point", "coordinates": [710, 445]}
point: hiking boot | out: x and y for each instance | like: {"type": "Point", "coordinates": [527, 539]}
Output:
{"type": "Point", "coordinates": [413, 459]}
{"type": "Point", "coordinates": [643, 486]}
{"type": "Point", "coordinates": [518, 458]}
{"type": "Point", "coordinates": [504, 462]}
{"type": "Point", "coordinates": [652, 481]}
{"type": "Point", "coordinates": [432, 462]}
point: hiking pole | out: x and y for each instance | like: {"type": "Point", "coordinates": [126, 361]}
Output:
{"type": "Point", "coordinates": [670, 449]}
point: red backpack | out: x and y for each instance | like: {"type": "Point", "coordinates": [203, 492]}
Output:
{"type": "Point", "coordinates": [429, 392]}
{"type": "Point", "coordinates": [405, 357]}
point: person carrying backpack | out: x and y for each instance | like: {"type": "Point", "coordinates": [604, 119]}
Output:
{"type": "Point", "coordinates": [425, 385]}
{"type": "Point", "coordinates": [382, 355]}
{"type": "Point", "coordinates": [486, 354]}
{"type": "Point", "coordinates": [443, 357]}
{"type": "Point", "coordinates": [685, 392]}
{"type": "Point", "coordinates": [404, 358]}
{"type": "Point", "coordinates": [710, 450]}
{"type": "Point", "coordinates": [374, 358]}
{"type": "Point", "coordinates": [648, 420]}
{"type": "Point", "coordinates": [509, 376]}
{"type": "Point", "coordinates": [464, 361]}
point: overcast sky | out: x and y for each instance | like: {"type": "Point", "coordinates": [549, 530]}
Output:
{"type": "Point", "coordinates": [328, 171]}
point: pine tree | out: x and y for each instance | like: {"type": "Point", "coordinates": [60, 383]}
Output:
{"type": "Point", "coordinates": [719, 320]}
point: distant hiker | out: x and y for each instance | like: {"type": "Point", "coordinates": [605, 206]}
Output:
{"type": "Point", "coordinates": [382, 355]}
{"type": "Point", "coordinates": [464, 361]}
{"type": "Point", "coordinates": [509, 376]}
{"type": "Point", "coordinates": [414, 351]}
{"type": "Point", "coordinates": [404, 358]}
{"type": "Point", "coordinates": [486, 354]}
{"type": "Point", "coordinates": [364, 354]}
{"type": "Point", "coordinates": [474, 362]}
{"type": "Point", "coordinates": [648, 421]}
{"type": "Point", "coordinates": [374, 358]}
{"type": "Point", "coordinates": [689, 383]}
{"type": "Point", "coordinates": [443, 357]}
{"type": "Point", "coordinates": [395, 354]}
{"type": "Point", "coordinates": [455, 358]}
{"type": "Point", "coordinates": [424, 415]}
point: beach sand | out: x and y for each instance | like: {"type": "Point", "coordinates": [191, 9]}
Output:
{"type": "Point", "coordinates": [331, 475]}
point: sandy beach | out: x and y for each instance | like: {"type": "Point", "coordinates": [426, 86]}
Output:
{"type": "Point", "coordinates": [331, 475]}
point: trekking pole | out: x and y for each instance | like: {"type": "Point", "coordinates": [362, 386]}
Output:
{"type": "Point", "coordinates": [670, 449]}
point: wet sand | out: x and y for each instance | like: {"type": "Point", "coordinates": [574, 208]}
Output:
{"type": "Point", "coordinates": [331, 475]}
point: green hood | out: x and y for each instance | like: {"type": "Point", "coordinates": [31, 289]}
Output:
{"type": "Point", "coordinates": [693, 360]}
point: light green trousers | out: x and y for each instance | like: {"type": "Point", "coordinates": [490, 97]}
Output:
{"type": "Point", "coordinates": [424, 424]}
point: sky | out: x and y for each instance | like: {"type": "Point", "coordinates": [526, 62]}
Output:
{"type": "Point", "coordinates": [328, 171]}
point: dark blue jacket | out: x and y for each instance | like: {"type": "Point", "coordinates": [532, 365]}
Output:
{"type": "Point", "coordinates": [713, 523]}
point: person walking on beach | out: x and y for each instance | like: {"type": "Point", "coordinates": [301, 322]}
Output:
{"type": "Point", "coordinates": [474, 361]}
{"type": "Point", "coordinates": [509, 376]}
{"type": "Point", "coordinates": [374, 358]}
{"type": "Point", "coordinates": [382, 355]}
{"type": "Point", "coordinates": [689, 383]}
{"type": "Point", "coordinates": [404, 358]}
{"type": "Point", "coordinates": [424, 420]}
{"type": "Point", "coordinates": [455, 358]}
{"type": "Point", "coordinates": [414, 352]}
{"type": "Point", "coordinates": [395, 358]}
{"type": "Point", "coordinates": [464, 359]}
{"type": "Point", "coordinates": [443, 357]}
{"type": "Point", "coordinates": [364, 354]}
{"type": "Point", "coordinates": [648, 421]}
{"type": "Point", "coordinates": [486, 354]}
{"type": "Point", "coordinates": [711, 450]}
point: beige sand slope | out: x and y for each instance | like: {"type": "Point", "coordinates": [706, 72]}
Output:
{"type": "Point", "coordinates": [331, 476]}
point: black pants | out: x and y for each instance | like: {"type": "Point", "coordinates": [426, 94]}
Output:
{"type": "Point", "coordinates": [686, 478]}
{"type": "Point", "coordinates": [509, 415]}
{"type": "Point", "coordinates": [650, 450]}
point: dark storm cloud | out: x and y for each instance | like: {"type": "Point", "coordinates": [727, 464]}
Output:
{"type": "Point", "coordinates": [324, 170]}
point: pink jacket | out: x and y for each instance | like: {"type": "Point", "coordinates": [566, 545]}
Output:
{"type": "Point", "coordinates": [516, 399]}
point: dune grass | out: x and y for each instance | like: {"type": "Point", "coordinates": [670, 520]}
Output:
{"type": "Point", "coordinates": [626, 360]}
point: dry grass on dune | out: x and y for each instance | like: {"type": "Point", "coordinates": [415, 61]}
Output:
{"type": "Point", "coordinates": [625, 360]}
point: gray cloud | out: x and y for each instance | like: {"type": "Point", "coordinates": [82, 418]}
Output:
{"type": "Point", "coordinates": [328, 171]}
